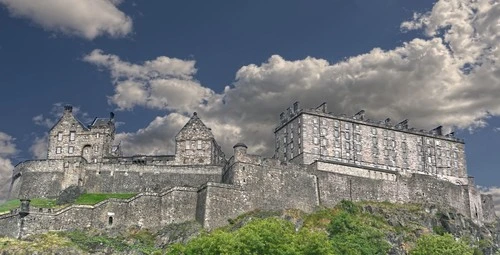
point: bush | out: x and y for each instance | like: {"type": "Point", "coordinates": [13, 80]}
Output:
{"type": "Point", "coordinates": [349, 235]}
{"type": "Point", "coordinates": [261, 236]}
{"type": "Point", "coordinates": [441, 245]}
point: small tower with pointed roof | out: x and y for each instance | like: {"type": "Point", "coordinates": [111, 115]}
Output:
{"type": "Point", "coordinates": [195, 145]}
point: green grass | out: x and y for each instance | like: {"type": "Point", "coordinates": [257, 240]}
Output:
{"type": "Point", "coordinates": [10, 205]}
{"type": "Point", "coordinates": [35, 202]}
{"type": "Point", "coordinates": [94, 198]}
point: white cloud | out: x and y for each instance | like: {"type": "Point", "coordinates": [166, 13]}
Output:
{"type": "Point", "coordinates": [432, 81]}
{"type": "Point", "coordinates": [40, 146]}
{"type": "Point", "coordinates": [162, 83]}
{"type": "Point", "coordinates": [7, 150]}
{"type": "Point", "coordinates": [495, 192]}
{"type": "Point", "coordinates": [88, 19]}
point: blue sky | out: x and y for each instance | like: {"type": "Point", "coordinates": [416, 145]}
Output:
{"type": "Point", "coordinates": [240, 63]}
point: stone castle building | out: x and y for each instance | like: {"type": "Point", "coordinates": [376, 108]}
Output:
{"type": "Point", "coordinates": [320, 159]}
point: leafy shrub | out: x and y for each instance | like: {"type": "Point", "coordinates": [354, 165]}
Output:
{"type": "Point", "coordinates": [350, 236]}
{"type": "Point", "coordinates": [441, 245]}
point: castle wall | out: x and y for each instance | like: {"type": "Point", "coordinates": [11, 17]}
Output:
{"type": "Point", "coordinates": [488, 207]}
{"type": "Point", "coordinates": [179, 205]}
{"type": "Point", "coordinates": [116, 178]}
{"type": "Point", "coordinates": [335, 185]}
{"type": "Point", "coordinates": [9, 225]}
{"type": "Point", "coordinates": [221, 202]}
{"type": "Point", "coordinates": [40, 184]}
{"type": "Point", "coordinates": [146, 210]}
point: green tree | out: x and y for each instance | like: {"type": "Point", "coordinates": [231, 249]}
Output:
{"type": "Point", "coordinates": [441, 245]}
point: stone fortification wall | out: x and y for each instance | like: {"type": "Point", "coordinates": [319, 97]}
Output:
{"type": "Point", "coordinates": [116, 178]}
{"type": "Point", "coordinates": [335, 185]}
{"type": "Point", "coordinates": [48, 177]}
{"type": "Point", "coordinates": [148, 210]}
{"type": "Point", "coordinates": [488, 207]}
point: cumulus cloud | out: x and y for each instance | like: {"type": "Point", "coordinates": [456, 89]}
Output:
{"type": "Point", "coordinates": [7, 150]}
{"type": "Point", "coordinates": [88, 19]}
{"type": "Point", "coordinates": [40, 146]}
{"type": "Point", "coordinates": [449, 78]}
{"type": "Point", "coordinates": [495, 192]}
{"type": "Point", "coordinates": [162, 83]}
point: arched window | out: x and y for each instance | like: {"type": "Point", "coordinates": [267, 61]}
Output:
{"type": "Point", "coordinates": [110, 220]}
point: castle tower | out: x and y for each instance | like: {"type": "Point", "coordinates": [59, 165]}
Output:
{"type": "Point", "coordinates": [64, 136]}
{"type": "Point", "coordinates": [195, 145]}
{"type": "Point", "coordinates": [70, 138]}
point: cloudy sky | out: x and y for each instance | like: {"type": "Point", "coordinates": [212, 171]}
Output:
{"type": "Point", "coordinates": [240, 63]}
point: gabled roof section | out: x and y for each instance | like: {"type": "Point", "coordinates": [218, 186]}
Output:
{"type": "Point", "coordinates": [194, 129]}
{"type": "Point", "coordinates": [69, 118]}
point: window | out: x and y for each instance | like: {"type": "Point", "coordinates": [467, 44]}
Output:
{"type": "Point", "coordinates": [291, 136]}
{"type": "Point", "coordinates": [336, 123]}
{"type": "Point", "coordinates": [315, 130]}
{"type": "Point", "coordinates": [323, 122]}
{"type": "Point", "coordinates": [291, 125]}
{"type": "Point", "coordinates": [97, 135]}
{"type": "Point", "coordinates": [374, 141]}
{"type": "Point", "coordinates": [58, 150]}
{"type": "Point", "coordinates": [299, 140]}
{"type": "Point", "coordinates": [315, 140]}
{"type": "Point", "coordinates": [347, 146]}
{"type": "Point", "coordinates": [96, 148]}
{"type": "Point", "coordinates": [298, 130]}
{"type": "Point", "coordinates": [199, 145]}
{"type": "Point", "coordinates": [316, 150]}
{"type": "Point", "coordinates": [284, 139]}
{"type": "Point", "coordinates": [59, 136]}
{"type": "Point", "coordinates": [72, 135]}
{"type": "Point", "coordinates": [291, 155]}
{"type": "Point", "coordinates": [336, 133]}
{"type": "Point", "coordinates": [70, 149]}
{"type": "Point", "coordinates": [291, 146]}
{"type": "Point", "coordinates": [374, 131]}
{"type": "Point", "coordinates": [188, 145]}
{"type": "Point", "coordinates": [337, 143]}
{"type": "Point", "coordinates": [346, 134]}
{"type": "Point", "coordinates": [315, 121]}
{"type": "Point", "coordinates": [323, 131]}
{"type": "Point", "coordinates": [358, 147]}
{"type": "Point", "coordinates": [337, 154]}
{"type": "Point", "coordinates": [358, 137]}
{"type": "Point", "coordinates": [324, 142]}
{"type": "Point", "coordinates": [346, 125]}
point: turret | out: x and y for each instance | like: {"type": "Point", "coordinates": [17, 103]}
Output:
{"type": "Point", "coordinates": [240, 151]}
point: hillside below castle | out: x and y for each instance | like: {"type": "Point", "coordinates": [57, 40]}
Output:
{"type": "Point", "coordinates": [320, 159]}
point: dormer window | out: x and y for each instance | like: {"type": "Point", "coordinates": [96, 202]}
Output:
{"type": "Point", "coordinates": [59, 136]}
{"type": "Point", "coordinates": [72, 135]}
